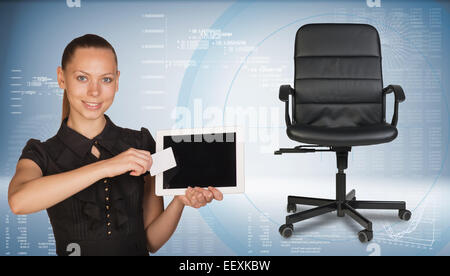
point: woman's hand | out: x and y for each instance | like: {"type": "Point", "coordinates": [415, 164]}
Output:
{"type": "Point", "coordinates": [198, 197]}
{"type": "Point", "coordinates": [134, 160]}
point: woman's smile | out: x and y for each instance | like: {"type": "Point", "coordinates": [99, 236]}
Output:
{"type": "Point", "coordinates": [92, 105]}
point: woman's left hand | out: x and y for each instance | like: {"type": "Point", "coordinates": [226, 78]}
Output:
{"type": "Point", "coordinates": [198, 197]}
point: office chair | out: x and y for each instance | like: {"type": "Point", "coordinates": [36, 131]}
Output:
{"type": "Point", "coordinates": [338, 102]}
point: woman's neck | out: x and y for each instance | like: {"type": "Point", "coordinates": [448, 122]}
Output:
{"type": "Point", "coordinates": [86, 127]}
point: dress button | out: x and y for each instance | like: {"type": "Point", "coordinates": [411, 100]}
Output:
{"type": "Point", "coordinates": [109, 224]}
{"type": "Point", "coordinates": [105, 181]}
{"type": "Point", "coordinates": [106, 189]}
{"type": "Point", "coordinates": [107, 198]}
{"type": "Point", "coordinates": [107, 215]}
{"type": "Point", "coordinates": [107, 207]}
{"type": "Point", "coordinates": [109, 233]}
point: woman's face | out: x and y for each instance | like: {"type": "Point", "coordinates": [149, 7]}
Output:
{"type": "Point", "coordinates": [91, 80]}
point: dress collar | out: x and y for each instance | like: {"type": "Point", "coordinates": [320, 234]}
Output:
{"type": "Point", "coordinates": [81, 145]}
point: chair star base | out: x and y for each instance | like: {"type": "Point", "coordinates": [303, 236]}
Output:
{"type": "Point", "coordinates": [344, 204]}
{"type": "Point", "coordinates": [346, 207]}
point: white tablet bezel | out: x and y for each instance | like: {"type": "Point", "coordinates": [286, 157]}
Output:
{"type": "Point", "coordinates": [240, 187]}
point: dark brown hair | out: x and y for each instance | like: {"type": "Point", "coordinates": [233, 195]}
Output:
{"type": "Point", "coordinates": [85, 41]}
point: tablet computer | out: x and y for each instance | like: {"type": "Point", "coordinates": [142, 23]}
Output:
{"type": "Point", "coordinates": [204, 157]}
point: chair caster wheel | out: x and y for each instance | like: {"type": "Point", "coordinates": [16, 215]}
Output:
{"type": "Point", "coordinates": [365, 236]}
{"type": "Point", "coordinates": [286, 230]}
{"type": "Point", "coordinates": [404, 215]}
{"type": "Point", "coordinates": [291, 208]}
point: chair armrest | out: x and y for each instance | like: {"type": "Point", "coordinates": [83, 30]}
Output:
{"type": "Point", "coordinates": [398, 92]}
{"type": "Point", "coordinates": [285, 91]}
{"type": "Point", "coordinates": [399, 97]}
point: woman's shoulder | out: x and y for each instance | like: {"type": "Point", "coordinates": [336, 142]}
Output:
{"type": "Point", "coordinates": [50, 144]}
{"type": "Point", "coordinates": [142, 139]}
{"type": "Point", "coordinates": [40, 152]}
{"type": "Point", "coordinates": [133, 133]}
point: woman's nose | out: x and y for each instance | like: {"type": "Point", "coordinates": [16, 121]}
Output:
{"type": "Point", "coordinates": [93, 89]}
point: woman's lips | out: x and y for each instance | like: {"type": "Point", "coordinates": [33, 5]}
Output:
{"type": "Point", "coordinates": [92, 106]}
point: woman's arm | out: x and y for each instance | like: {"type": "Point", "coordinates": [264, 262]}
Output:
{"type": "Point", "coordinates": [30, 191]}
{"type": "Point", "coordinates": [160, 224]}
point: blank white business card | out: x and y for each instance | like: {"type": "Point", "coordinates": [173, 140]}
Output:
{"type": "Point", "coordinates": [162, 161]}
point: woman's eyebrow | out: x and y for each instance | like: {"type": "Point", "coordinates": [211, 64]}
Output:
{"type": "Point", "coordinates": [107, 74]}
{"type": "Point", "coordinates": [90, 74]}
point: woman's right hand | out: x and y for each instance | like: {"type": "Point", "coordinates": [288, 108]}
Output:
{"type": "Point", "coordinates": [135, 161]}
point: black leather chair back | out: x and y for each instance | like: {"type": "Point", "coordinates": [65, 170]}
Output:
{"type": "Point", "coordinates": [338, 77]}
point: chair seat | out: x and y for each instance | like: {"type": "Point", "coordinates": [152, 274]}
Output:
{"type": "Point", "coordinates": [343, 136]}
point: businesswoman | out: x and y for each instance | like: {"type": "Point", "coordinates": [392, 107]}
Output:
{"type": "Point", "coordinates": [92, 177]}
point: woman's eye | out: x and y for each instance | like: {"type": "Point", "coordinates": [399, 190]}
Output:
{"type": "Point", "coordinates": [107, 80]}
{"type": "Point", "coordinates": [81, 78]}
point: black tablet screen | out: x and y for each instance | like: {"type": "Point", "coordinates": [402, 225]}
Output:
{"type": "Point", "coordinates": [202, 160]}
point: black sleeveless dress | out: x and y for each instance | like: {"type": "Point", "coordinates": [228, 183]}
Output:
{"type": "Point", "coordinates": [107, 217]}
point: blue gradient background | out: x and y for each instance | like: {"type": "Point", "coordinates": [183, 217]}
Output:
{"type": "Point", "coordinates": [242, 67]}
